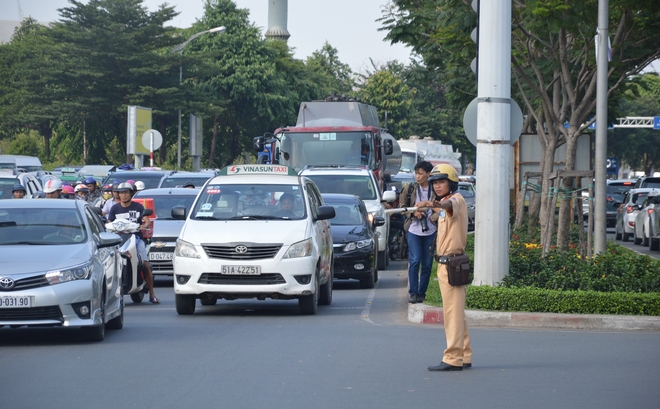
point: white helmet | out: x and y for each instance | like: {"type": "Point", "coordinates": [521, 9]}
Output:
{"type": "Point", "coordinates": [139, 185]}
{"type": "Point", "coordinates": [52, 185]}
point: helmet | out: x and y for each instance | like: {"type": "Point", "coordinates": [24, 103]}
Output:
{"type": "Point", "coordinates": [131, 181]}
{"type": "Point", "coordinates": [18, 187]}
{"type": "Point", "coordinates": [139, 185]}
{"type": "Point", "coordinates": [115, 186]}
{"type": "Point", "coordinates": [81, 188]}
{"type": "Point", "coordinates": [107, 188]}
{"type": "Point", "coordinates": [124, 187]}
{"type": "Point", "coordinates": [67, 189]}
{"type": "Point", "coordinates": [90, 181]}
{"type": "Point", "coordinates": [52, 185]}
{"type": "Point", "coordinates": [443, 171]}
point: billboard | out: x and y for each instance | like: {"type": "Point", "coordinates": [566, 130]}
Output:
{"type": "Point", "coordinates": [139, 120]}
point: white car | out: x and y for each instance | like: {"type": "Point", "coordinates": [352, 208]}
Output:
{"type": "Point", "coordinates": [361, 182]}
{"type": "Point", "coordinates": [642, 225]}
{"type": "Point", "coordinates": [240, 241]}
{"type": "Point", "coordinates": [627, 213]}
{"type": "Point", "coordinates": [8, 179]}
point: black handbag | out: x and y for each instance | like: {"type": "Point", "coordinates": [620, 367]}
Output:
{"type": "Point", "coordinates": [458, 268]}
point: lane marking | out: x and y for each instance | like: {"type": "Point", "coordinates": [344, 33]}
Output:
{"type": "Point", "coordinates": [367, 307]}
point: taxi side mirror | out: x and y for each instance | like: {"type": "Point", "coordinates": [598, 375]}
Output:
{"type": "Point", "coordinates": [325, 212]}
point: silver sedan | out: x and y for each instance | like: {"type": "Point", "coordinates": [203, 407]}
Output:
{"type": "Point", "coordinates": [59, 267]}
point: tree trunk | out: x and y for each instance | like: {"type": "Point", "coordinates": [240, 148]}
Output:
{"type": "Point", "coordinates": [567, 185]}
{"type": "Point", "coordinates": [162, 154]}
{"type": "Point", "coordinates": [547, 208]}
{"type": "Point", "coordinates": [214, 141]}
{"type": "Point", "coordinates": [47, 132]}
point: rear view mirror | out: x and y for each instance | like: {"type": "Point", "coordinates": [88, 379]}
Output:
{"type": "Point", "coordinates": [258, 143]}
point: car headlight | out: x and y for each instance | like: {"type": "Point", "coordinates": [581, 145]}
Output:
{"type": "Point", "coordinates": [357, 245]}
{"type": "Point", "coordinates": [300, 249]}
{"type": "Point", "coordinates": [185, 249]}
{"type": "Point", "coordinates": [79, 272]}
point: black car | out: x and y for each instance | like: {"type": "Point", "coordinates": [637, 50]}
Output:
{"type": "Point", "coordinates": [354, 239]}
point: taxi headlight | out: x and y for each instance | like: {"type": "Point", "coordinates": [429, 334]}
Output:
{"type": "Point", "coordinates": [300, 249]}
{"type": "Point", "coordinates": [185, 249]}
{"type": "Point", "coordinates": [79, 272]}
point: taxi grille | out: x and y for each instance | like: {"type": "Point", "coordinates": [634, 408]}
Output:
{"type": "Point", "coordinates": [29, 283]}
{"type": "Point", "coordinates": [31, 314]}
{"type": "Point", "coordinates": [222, 279]}
{"type": "Point", "coordinates": [252, 251]}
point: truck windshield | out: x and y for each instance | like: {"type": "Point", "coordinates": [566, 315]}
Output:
{"type": "Point", "coordinates": [327, 148]}
{"type": "Point", "coordinates": [408, 162]}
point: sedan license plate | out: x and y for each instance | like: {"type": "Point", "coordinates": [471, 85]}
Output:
{"type": "Point", "coordinates": [15, 302]}
{"type": "Point", "coordinates": [159, 255]}
{"type": "Point", "coordinates": [246, 270]}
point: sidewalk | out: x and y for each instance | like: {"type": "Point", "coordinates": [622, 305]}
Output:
{"type": "Point", "coordinates": [426, 314]}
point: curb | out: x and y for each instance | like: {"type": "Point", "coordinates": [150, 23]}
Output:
{"type": "Point", "coordinates": [427, 314]}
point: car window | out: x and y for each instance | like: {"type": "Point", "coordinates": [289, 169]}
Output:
{"type": "Point", "coordinates": [246, 201]}
{"type": "Point", "coordinates": [347, 215]}
{"type": "Point", "coordinates": [151, 180]}
{"type": "Point", "coordinates": [466, 190]}
{"type": "Point", "coordinates": [42, 226]}
{"type": "Point", "coordinates": [360, 185]}
{"type": "Point", "coordinates": [163, 204]}
{"type": "Point", "coordinates": [197, 181]}
{"type": "Point", "coordinates": [638, 197]}
{"type": "Point", "coordinates": [94, 222]}
{"type": "Point", "coordinates": [6, 186]}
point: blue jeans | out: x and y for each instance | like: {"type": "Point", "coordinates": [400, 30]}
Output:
{"type": "Point", "coordinates": [419, 253]}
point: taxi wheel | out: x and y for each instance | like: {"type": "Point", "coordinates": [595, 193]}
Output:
{"type": "Point", "coordinates": [325, 298]}
{"type": "Point", "coordinates": [309, 304]}
{"type": "Point", "coordinates": [185, 304]}
{"type": "Point", "coordinates": [625, 236]}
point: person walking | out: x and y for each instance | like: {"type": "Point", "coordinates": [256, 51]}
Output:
{"type": "Point", "coordinates": [451, 210]}
{"type": "Point", "coordinates": [420, 232]}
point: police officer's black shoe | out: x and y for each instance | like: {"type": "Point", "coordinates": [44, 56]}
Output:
{"type": "Point", "coordinates": [445, 367]}
{"type": "Point", "coordinates": [412, 299]}
{"type": "Point", "coordinates": [466, 366]}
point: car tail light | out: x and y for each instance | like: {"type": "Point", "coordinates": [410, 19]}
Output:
{"type": "Point", "coordinates": [629, 209]}
{"type": "Point", "coordinates": [649, 211]}
{"type": "Point", "coordinates": [609, 198]}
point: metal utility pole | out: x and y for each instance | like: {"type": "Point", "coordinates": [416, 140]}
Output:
{"type": "Point", "coordinates": [493, 143]}
{"type": "Point", "coordinates": [179, 49]}
{"type": "Point", "coordinates": [601, 129]}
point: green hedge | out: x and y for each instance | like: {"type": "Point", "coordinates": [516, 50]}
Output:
{"type": "Point", "coordinates": [616, 283]}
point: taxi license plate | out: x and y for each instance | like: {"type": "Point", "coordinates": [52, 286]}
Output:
{"type": "Point", "coordinates": [159, 255]}
{"type": "Point", "coordinates": [245, 270]}
{"type": "Point", "coordinates": [15, 302]}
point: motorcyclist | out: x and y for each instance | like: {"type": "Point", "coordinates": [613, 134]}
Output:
{"type": "Point", "coordinates": [106, 194]}
{"type": "Point", "coordinates": [128, 210]}
{"type": "Point", "coordinates": [53, 189]}
{"type": "Point", "coordinates": [82, 192]}
{"type": "Point", "coordinates": [68, 192]}
{"type": "Point", "coordinates": [111, 202]}
{"type": "Point", "coordinates": [139, 185]}
{"type": "Point", "coordinates": [18, 191]}
{"type": "Point", "coordinates": [94, 193]}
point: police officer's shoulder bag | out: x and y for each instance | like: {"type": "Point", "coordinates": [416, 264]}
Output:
{"type": "Point", "coordinates": [458, 268]}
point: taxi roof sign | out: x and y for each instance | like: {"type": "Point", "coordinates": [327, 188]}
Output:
{"type": "Point", "coordinates": [280, 170]}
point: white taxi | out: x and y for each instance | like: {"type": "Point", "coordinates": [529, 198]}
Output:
{"type": "Point", "coordinates": [255, 231]}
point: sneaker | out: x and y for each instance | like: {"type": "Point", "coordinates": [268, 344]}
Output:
{"type": "Point", "coordinates": [412, 299]}
{"type": "Point", "coordinates": [421, 298]}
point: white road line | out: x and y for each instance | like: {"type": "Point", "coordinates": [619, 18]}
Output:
{"type": "Point", "coordinates": [367, 306]}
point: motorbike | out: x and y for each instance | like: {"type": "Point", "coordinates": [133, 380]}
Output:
{"type": "Point", "coordinates": [398, 245]}
{"type": "Point", "coordinates": [133, 282]}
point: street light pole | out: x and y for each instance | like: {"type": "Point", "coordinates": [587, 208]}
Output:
{"type": "Point", "coordinates": [179, 49]}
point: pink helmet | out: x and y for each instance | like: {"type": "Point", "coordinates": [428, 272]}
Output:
{"type": "Point", "coordinates": [67, 189]}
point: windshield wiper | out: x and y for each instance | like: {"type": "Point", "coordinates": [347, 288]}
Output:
{"type": "Point", "coordinates": [24, 242]}
{"type": "Point", "coordinates": [254, 217]}
{"type": "Point", "coordinates": [207, 218]}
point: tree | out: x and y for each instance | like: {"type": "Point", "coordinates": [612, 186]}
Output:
{"type": "Point", "coordinates": [332, 75]}
{"type": "Point", "coordinates": [639, 148]}
{"type": "Point", "coordinates": [552, 59]}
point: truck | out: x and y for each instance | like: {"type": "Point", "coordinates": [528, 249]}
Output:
{"type": "Point", "coordinates": [415, 149]}
{"type": "Point", "coordinates": [333, 133]}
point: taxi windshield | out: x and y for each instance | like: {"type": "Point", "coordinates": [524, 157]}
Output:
{"type": "Point", "coordinates": [249, 202]}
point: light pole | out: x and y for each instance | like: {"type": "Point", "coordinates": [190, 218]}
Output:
{"type": "Point", "coordinates": [179, 49]}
